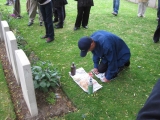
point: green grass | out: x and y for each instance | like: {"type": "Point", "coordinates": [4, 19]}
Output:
{"type": "Point", "coordinates": [120, 99]}
{"type": "Point", "coordinates": [6, 106]}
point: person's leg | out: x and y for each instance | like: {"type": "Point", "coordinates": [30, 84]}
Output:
{"type": "Point", "coordinates": [139, 9]}
{"type": "Point", "coordinates": [79, 17]}
{"type": "Point", "coordinates": [116, 6]}
{"type": "Point", "coordinates": [32, 11]}
{"type": "Point", "coordinates": [64, 12]}
{"type": "Point", "coordinates": [85, 17]}
{"type": "Point", "coordinates": [156, 36]}
{"type": "Point", "coordinates": [42, 8]}
{"type": "Point", "coordinates": [28, 6]}
{"type": "Point", "coordinates": [158, 9]}
{"type": "Point", "coordinates": [40, 15]}
{"type": "Point", "coordinates": [48, 21]}
{"type": "Point", "coordinates": [102, 68]}
{"type": "Point", "coordinates": [114, 1]}
{"type": "Point", "coordinates": [123, 62]}
{"type": "Point", "coordinates": [60, 16]}
{"type": "Point", "coordinates": [17, 11]}
{"type": "Point", "coordinates": [144, 6]}
{"type": "Point", "coordinates": [7, 2]}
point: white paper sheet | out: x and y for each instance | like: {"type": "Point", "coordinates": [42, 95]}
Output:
{"type": "Point", "coordinates": [82, 79]}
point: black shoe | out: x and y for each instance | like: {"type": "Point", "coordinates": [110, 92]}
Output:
{"type": "Point", "coordinates": [85, 27]}
{"type": "Point", "coordinates": [127, 63]}
{"type": "Point", "coordinates": [48, 40]}
{"type": "Point", "coordinates": [76, 28]}
{"type": "Point", "coordinates": [40, 24]}
{"type": "Point", "coordinates": [30, 23]}
{"type": "Point", "coordinates": [155, 41]}
{"type": "Point", "coordinates": [55, 20]}
{"type": "Point", "coordinates": [58, 26]}
{"type": "Point", "coordinates": [19, 17]}
{"type": "Point", "coordinates": [7, 3]}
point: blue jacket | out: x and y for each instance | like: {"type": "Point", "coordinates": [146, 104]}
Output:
{"type": "Point", "coordinates": [109, 49]}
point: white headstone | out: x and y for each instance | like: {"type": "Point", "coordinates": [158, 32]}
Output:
{"type": "Point", "coordinates": [26, 80]}
{"type": "Point", "coordinates": [5, 28]}
{"type": "Point", "coordinates": [12, 46]}
{"type": "Point", "coordinates": [0, 28]}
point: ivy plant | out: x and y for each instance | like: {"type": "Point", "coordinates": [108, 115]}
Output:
{"type": "Point", "coordinates": [45, 76]}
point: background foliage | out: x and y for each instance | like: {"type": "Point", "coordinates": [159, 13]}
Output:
{"type": "Point", "coordinates": [120, 99]}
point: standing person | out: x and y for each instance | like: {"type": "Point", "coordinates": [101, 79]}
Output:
{"type": "Point", "coordinates": [28, 6]}
{"type": "Point", "coordinates": [151, 108]}
{"type": "Point", "coordinates": [16, 9]}
{"type": "Point", "coordinates": [46, 10]}
{"type": "Point", "coordinates": [156, 36]}
{"type": "Point", "coordinates": [83, 11]}
{"type": "Point", "coordinates": [142, 5]}
{"type": "Point", "coordinates": [115, 7]}
{"type": "Point", "coordinates": [55, 13]}
{"type": "Point", "coordinates": [33, 11]}
{"type": "Point", "coordinates": [158, 10]}
{"type": "Point", "coordinates": [59, 9]}
{"type": "Point", "coordinates": [110, 53]}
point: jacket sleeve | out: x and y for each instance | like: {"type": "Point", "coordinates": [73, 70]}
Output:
{"type": "Point", "coordinates": [96, 60]}
{"type": "Point", "coordinates": [151, 109]}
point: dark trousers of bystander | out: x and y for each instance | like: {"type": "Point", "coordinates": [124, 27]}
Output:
{"type": "Point", "coordinates": [16, 10]}
{"type": "Point", "coordinates": [82, 16]}
{"type": "Point", "coordinates": [158, 9]}
{"type": "Point", "coordinates": [157, 33]}
{"type": "Point", "coordinates": [60, 11]}
{"type": "Point", "coordinates": [47, 14]}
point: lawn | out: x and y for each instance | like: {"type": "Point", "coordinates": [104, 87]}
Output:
{"type": "Point", "coordinates": [120, 99]}
{"type": "Point", "coordinates": [6, 106]}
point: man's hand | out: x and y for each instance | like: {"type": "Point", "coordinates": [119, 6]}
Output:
{"type": "Point", "coordinates": [95, 70]}
{"type": "Point", "coordinates": [105, 80]}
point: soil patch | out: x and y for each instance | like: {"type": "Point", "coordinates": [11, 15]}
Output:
{"type": "Point", "coordinates": [61, 107]}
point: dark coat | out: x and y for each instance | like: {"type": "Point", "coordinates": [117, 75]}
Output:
{"type": "Point", "coordinates": [85, 3]}
{"type": "Point", "coordinates": [151, 108]}
{"type": "Point", "coordinates": [59, 3]}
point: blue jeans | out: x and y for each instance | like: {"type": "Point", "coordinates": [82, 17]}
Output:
{"type": "Point", "coordinates": [46, 11]}
{"type": "Point", "coordinates": [116, 5]}
{"type": "Point", "coordinates": [158, 10]}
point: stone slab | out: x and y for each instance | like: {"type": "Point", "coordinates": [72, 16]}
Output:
{"type": "Point", "coordinates": [5, 28]}
{"type": "Point", "coordinates": [0, 27]}
{"type": "Point", "coordinates": [12, 46]}
{"type": "Point", "coordinates": [26, 80]}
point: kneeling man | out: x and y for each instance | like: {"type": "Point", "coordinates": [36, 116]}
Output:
{"type": "Point", "coordinates": [110, 53]}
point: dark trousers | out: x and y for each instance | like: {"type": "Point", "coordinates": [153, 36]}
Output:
{"type": "Point", "coordinates": [157, 33]}
{"type": "Point", "coordinates": [158, 9]}
{"type": "Point", "coordinates": [17, 8]}
{"type": "Point", "coordinates": [60, 12]}
{"type": "Point", "coordinates": [46, 11]}
{"type": "Point", "coordinates": [82, 16]}
{"type": "Point", "coordinates": [102, 68]}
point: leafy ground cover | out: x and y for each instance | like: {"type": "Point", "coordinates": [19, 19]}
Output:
{"type": "Point", "coordinates": [121, 98]}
